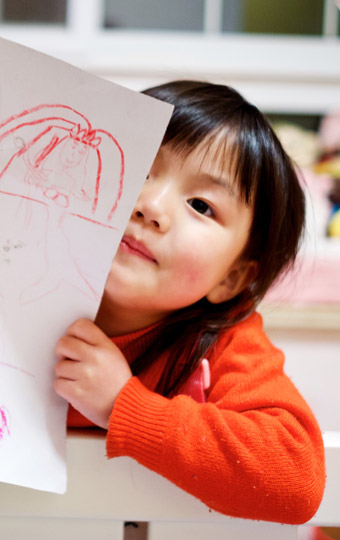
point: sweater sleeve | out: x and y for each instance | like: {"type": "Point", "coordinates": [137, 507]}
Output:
{"type": "Point", "coordinates": [253, 450]}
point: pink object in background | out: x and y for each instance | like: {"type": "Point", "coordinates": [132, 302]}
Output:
{"type": "Point", "coordinates": [316, 275]}
{"type": "Point", "coordinates": [329, 132]}
{"type": "Point", "coordinates": [314, 280]}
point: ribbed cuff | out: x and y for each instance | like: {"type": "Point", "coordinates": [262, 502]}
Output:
{"type": "Point", "coordinates": [137, 424]}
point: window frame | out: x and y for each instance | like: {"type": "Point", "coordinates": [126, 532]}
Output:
{"type": "Point", "coordinates": [279, 73]}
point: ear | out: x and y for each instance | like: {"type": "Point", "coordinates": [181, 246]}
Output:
{"type": "Point", "coordinates": [237, 279]}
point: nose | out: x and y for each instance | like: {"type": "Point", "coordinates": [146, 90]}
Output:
{"type": "Point", "coordinates": [153, 207]}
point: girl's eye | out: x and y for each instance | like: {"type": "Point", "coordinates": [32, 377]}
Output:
{"type": "Point", "coordinates": [201, 207]}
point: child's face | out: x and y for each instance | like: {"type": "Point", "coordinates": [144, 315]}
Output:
{"type": "Point", "coordinates": [183, 239]}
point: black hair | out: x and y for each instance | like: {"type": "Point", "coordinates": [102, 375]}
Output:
{"type": "Point", "coordinates": [267, 181]}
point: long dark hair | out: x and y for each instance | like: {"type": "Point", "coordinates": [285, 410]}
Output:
{"type": "Point", "coordinates": [266, 179]}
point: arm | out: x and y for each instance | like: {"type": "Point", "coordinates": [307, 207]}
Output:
{"type": "Point", "coordinates": [254, 450]}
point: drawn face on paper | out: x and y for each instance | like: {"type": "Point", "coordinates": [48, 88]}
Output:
{"type": "Point", "coordinates": [72, 152]}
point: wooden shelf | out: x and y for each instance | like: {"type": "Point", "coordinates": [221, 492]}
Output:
{"type": "Point", "coordinates": [307, 317]}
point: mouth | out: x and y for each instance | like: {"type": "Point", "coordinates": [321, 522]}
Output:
{"type": "Point", "coordinates": [137, 248]}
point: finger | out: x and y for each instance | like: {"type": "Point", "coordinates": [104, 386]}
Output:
{"type": "Point", "coordinates": [66, 389]}
{"type": "Point", "coordinates": [87, 331]}
{"type": "Point", "coordinates": [67, 369]}
{"type": "Point", "coordinates": [72, 347]}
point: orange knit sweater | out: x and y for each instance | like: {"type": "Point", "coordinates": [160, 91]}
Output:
{"type": "Point", "coordinates": [253, 450]}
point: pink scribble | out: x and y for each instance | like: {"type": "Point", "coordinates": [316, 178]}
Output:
{"type": "Point", "coordinates": [4, 423]}
{"type": "Point", "coordinates": [51, 155]}
{"type": "Point", "coordinates": [12, 366]}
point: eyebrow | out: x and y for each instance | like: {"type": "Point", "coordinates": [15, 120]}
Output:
{"type": "Point", "coordinates": [220, 182]}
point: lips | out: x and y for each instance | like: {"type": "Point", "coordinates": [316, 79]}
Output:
{"type": "Point", "coordinates": [135, 247]}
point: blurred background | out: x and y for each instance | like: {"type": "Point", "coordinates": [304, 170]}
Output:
{"type": "Point", "coordinates": [273, 51]}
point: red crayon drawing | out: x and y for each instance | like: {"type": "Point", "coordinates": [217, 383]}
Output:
{"type": "Point", "coordinates": [51, 155]}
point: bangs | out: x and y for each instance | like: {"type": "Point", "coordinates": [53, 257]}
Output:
{"type": "Point", "coordinates": [231, 153]}
{"type": "Point", "coordinates": [220, 121]}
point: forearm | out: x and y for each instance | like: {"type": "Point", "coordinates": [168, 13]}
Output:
{"type": "Point", "coordinates": [257, 464]}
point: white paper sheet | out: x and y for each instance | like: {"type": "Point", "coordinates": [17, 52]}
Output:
{"type": "Point", "coordinates": [74, 153]}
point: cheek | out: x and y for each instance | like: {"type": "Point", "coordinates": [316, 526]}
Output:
{"type": "Point", "coordinates": [190, 275]}
{"type": "Point", "coordinates": [193, 272]}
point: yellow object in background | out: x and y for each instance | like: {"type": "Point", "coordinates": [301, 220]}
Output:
{"type": "Point", "coordinates": [334, 224]}
{"type": "Point", "coordinates": [329, 166]}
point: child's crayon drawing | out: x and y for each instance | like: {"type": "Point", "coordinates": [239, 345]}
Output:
{"type": "Point", "coordinates": [17, 368]}
{"type": "Point", "coordinates": [4, 429]}
{"type": "Point", "coordinates": [4, 423]}
{"type": "Point", "coordinates": [56, 144]}
{"type": "Point", "coordinates": [69, 168]}
{"type": "Point", "coordinates": [75, 150]}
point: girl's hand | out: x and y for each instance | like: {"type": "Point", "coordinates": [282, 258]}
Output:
{"type": "Point", "coordinates": [90, 371]}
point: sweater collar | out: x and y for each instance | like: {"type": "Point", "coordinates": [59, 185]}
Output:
{"type": "Point", "coordinates": [136, 343]}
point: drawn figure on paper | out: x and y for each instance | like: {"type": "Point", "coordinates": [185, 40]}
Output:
{"type": "Point", "coordinates": [53, 169]}
{"type": "Point", "coordinates": [52, 156]}
{"type": "Point", "coordinates": [4, 423]}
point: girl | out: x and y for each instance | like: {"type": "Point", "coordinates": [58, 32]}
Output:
{"type": "Point", "coordinates": [220, 216]}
